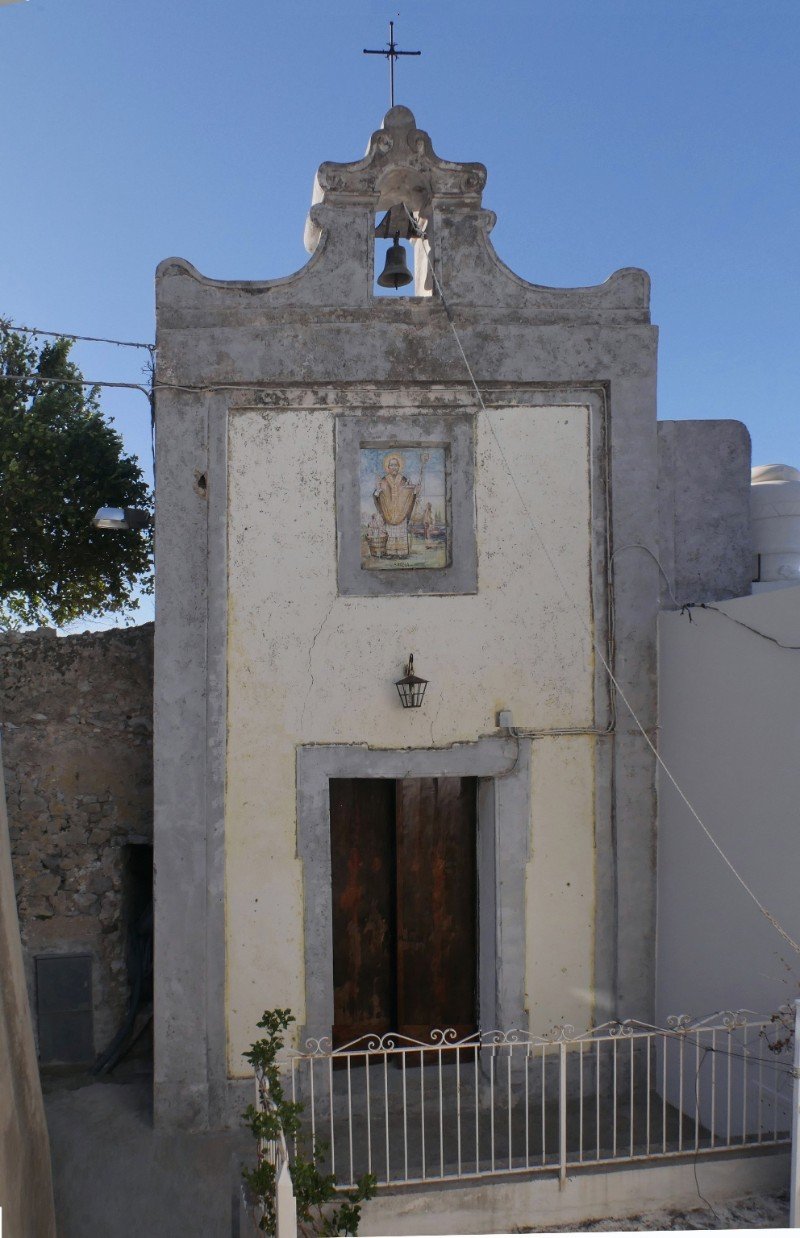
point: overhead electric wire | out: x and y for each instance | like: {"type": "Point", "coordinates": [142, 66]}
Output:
{"type": "Point", "coordinates": [598, 651]}
{"type": "Point", "coordinates": [8, 327]}
{"type": "Point", "coordinates": [773, 640]}
{"type": "Point", "coordinates": [71, 382]}
{"type": "Point", "coordinates": [52, 380]}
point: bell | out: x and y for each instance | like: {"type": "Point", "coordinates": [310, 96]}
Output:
{"type": "Point", "coordinates": [395, 273]}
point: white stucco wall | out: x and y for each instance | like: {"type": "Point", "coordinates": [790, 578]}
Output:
{"type": "Point", "coordinates": [306, 666]}
{"type": "Point", "coordinates": [560, 893]}
{"type": "Point", "coordinates": [730, 733]}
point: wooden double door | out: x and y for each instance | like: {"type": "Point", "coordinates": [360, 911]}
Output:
{"type": "Point", "coordinates": [405, 891]}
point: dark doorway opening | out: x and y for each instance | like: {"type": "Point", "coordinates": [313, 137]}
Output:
{"type": "Point", "coordinates": [137, 918]}
{"type": "Point", "coordinates": [137, 893]}
{"type": "Point", "coordinates": [405, 894]}
{"type": "Point", "coordinates": [135, 1036]}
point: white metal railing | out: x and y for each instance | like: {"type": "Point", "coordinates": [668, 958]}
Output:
{"type": "Point", "coordinates": [501, 1103]}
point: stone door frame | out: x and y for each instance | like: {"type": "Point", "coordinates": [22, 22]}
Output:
{"type": "Point", "coordinates": [503, 768]}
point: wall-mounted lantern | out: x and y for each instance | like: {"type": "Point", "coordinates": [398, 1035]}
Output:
{"type": "Point", "coordinates": [411, 688]}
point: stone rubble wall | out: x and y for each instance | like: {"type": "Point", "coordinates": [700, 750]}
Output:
{"type": "Point", "coordinates": [76, 715]}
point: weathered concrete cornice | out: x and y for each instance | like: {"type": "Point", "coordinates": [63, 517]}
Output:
{"type": "Point", "coordinates": [386, 352]}
{"type": "Point", "coordinates": [188, 300]}
{"type": "Point", "coordinates": [400, 167]}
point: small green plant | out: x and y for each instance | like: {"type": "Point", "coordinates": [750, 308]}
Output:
{"type": "Point", "coordinates": [314, 1191]}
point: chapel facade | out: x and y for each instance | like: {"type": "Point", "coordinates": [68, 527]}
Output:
{"type": "Point", "coordinates": [467, 474]}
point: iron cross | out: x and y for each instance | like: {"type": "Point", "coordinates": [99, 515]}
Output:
{"type": "Point", "coordinates": [391, 53]}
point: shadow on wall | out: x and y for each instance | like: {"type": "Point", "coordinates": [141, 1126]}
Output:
{"type": "Point", "coordinates": [27, 1189]}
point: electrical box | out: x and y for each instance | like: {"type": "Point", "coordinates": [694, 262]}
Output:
{"type": "Point", "coordinates": [64, 1009]}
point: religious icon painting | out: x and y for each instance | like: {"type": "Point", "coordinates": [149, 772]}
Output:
{"type": "Point", "coordinates": [404, 504]}
{"type": "Point", "coordinates": [405, 507]}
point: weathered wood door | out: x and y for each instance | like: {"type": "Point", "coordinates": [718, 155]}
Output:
{"type": "Point", "coordinates": [364, 898]}
{"type": "Point", "coordinates": [403, 866]}
{"type": "Point", "coordinates": [436, 905]}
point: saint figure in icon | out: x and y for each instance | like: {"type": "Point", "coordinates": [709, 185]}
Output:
{"type": "Point", "coordinates": [395, 497]}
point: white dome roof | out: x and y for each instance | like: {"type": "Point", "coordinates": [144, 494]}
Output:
{"type": "Point", "coordinates": [773, 472]}
{"type": "Point", "coordinates": [775, 523]}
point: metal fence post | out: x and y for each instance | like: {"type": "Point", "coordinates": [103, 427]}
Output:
{"type": "Point", "coordinates": [794, 1203]}
{"type": "Point", "coordinates": [285, 1204]}
{"type": "Point", "coordinates": [562, 1116]}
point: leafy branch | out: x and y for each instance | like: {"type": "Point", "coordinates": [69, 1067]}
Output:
{"type": "Point", "coordinates": [276, 1122]}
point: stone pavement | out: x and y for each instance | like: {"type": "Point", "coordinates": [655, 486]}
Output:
{"type": "Point", "coordinates": [115, 1177]}
{"type": "Point", "coordinates": [755, 1212]}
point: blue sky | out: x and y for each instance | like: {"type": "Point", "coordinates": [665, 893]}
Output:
{"type": "Point", "coordinates": [654, 133]}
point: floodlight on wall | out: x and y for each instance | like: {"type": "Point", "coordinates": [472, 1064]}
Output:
{"type": "Point", "coordinates": [411, 689]}
{"type": "Point", "coordinates": [122, 518]}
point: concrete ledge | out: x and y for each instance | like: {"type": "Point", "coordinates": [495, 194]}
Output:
{"type": "Point", "coordinates": [498, 1206]}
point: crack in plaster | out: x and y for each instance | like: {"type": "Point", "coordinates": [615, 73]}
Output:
{"type": "Point", "coordinates": [316, 637]}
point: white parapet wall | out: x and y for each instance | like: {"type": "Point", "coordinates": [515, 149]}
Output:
{"type": "Point", "coordinates": [729, 677]}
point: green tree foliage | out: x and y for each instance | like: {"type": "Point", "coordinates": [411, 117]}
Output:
{"type": "Point", "coordinates": [321, 1209]}
{"type": "Point", "coordinates": [60, 460]}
